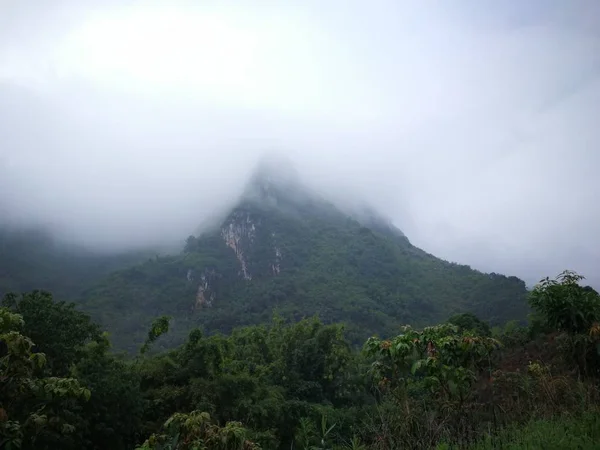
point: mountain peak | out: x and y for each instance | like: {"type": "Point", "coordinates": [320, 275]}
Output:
{"type": "Point", "coordinates": [275, 169]}
{"type": "Point", "coordinates": [276, 165]}
{"type": "Point", "coordinates": [274, 180]}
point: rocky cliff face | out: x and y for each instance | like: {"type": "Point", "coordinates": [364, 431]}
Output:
{"type": "Point", "coordinates": [251, 240]}
{"type": "Point", "coordinates": [247, 236]}
{"type": "Point", "coordinates": [252, 232]}
{"type": "Point", "coordinates": [205, 294]}
{"type": "Point", "coordinates": [239, 234]}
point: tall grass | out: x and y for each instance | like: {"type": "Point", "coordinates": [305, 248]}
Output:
{"type": "Point", "coordinates": [564, 432]}
{"type": "Point", "coordinates": [531, 410]}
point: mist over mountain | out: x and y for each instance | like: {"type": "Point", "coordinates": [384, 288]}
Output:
{"type": "Point", "coordinates": [297, 225]}
{"type": "Point", "coordinates": [123, 145]}
{"type": "Point", "coordinates": [286, 249]}
{"type": "Point", "coordinates": [125, 172]}
{"type": "Point", "coordinates": [33, 258]}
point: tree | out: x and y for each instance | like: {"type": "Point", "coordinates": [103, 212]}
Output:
{"type": "Point", "coordinates": [470, 322]}
{"type": "Point", "coordinates": [446, 360]}
{"type": "Point", "coordinates": [113, 415]}
{"type": "Point", "coordinates": [564, 304]}
{"type": "Point", "coordinates": [35, 411]}
{"type": "Point", "coordinates": [57, 328]}
{"type": "Point", "coordinates": [159, 327]}
{"type": "Point", "coordinates": [72, 346]}
{"type": "Point", "coordinates": [195, 431]}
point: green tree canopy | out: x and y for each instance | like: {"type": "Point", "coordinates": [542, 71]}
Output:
{"type": "Point", "coordinates": [57, 328]}
{"type": "Point", "coordinates": [470, 322]}
{"type": "Point", "coordinates": [564, 304]}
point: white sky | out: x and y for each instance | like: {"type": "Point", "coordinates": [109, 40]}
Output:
{"type": "Point", "coordinates": [474, 125]}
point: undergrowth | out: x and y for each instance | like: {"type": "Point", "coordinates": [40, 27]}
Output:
{"type": "Point", "coordinates": [564, 432]}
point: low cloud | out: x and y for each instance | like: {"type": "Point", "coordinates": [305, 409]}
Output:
{"type": "Point", "coordinates": [474, 128]}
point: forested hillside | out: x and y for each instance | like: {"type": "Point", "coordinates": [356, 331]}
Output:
{"type": "Point", "coordinates": [287, 250]}
{"type": "Point", "coordinates": [32, 258]}
{"type": "Point", "coordinates": [459, 384]}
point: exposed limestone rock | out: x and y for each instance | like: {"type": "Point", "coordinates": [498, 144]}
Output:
{"type": "Point", "coordinates": [204, 295]}
{"type": "Point", "coordinates": [239, 231]}
{"type": "Point", "coordinates": [276, 266]}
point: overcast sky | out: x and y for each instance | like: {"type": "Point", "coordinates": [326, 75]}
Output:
{"type": "Point", "coordinates": [475, 125]}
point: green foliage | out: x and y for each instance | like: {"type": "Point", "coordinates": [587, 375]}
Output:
{"type": "Point", "coordinates": [427, 384]}
{"type": "Point", "coordinates": [445, 360]}
{"type": "Point", "coordinates": [197, 431]}
{"type": "Point", "coordinates": [268, 377]}
{"type": "Point", "coordinates": [308, 437]}
{"type": "Point", "coordinates": [42, 410]}
{"type": "Point", "coordinates": [31, 259]}
{"type": "Point", "coordinates": [35, 411]}
{"type": "Point", "coordinates": [565, 306]}
{"type": "Point", "coordinates": [292, 384]}
{"type": "Point", "coordinates": [470, 322]}
{"type": "Point", "coordinates": [57, 328]}
{"type": "Point", "coordinates": [159, 327]}
{"type": "Point", "coordinates": [512, 334]}
{"type": "Point", "coordinates": [561, 433]}
{"type": "Point", "coordinates": [303, 261]}
{"type": "Point", "coordinates": [113, 415]}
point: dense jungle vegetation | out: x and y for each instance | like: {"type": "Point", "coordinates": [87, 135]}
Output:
{"type": "Point", "coordinates": [300, 263]}
{"type": "Point", "coordinates": [302, 385]}
{"type": "Point", "coordinates": [282, 249]}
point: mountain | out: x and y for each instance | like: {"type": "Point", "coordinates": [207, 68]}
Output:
{"type": "Point", "coordinates": [285, 249]}
{"type": "Point", "coordinates": [32, 258]}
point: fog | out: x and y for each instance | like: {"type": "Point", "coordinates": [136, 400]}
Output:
{"type": "Point", "coordinates": [473, 125]}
